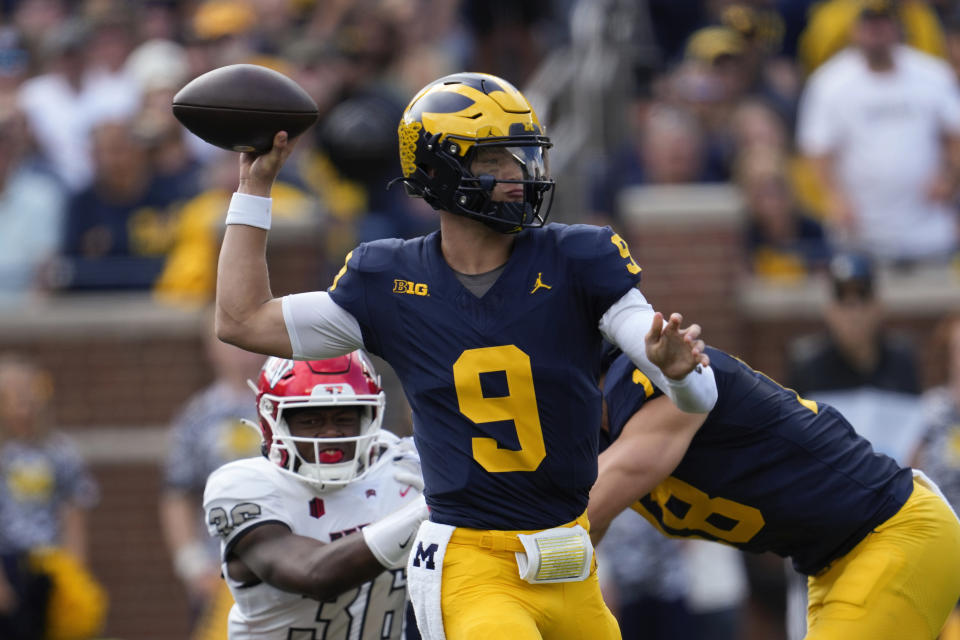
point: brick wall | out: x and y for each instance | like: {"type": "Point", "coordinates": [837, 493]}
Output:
{"type": "Point", "coordinates": [128, 555]}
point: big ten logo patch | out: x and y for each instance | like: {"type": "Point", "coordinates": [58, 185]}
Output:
{"type": "Point", "coordinates": [410, 287]}
{"type": "Point", "coordinates": [425, 554]}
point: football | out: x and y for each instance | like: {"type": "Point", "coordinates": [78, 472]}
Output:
{"type": "Point", "coordinates": [241, 107]}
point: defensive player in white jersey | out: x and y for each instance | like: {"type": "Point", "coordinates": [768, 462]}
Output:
{"type": "Point", "coordinates": [285, 519]}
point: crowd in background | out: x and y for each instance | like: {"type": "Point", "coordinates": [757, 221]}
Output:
{"type": "Point", "coordinates": [835, 151]}
{"type": "Point", "coordinates": [102, 189]}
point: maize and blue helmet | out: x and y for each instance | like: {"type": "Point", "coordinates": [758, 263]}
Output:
{"type": "Point", "coordinates": [477, 120]}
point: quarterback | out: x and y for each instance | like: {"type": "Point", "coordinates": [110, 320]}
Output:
{"type": "Point", "coordinates": [493, 325]}
{"type": "Point", "coordinates": [315, 534]}
{"type": "Point", "coordinates": [767, 470]}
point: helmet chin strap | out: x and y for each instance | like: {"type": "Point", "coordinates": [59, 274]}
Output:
{"type": "Point", "coordinates": [511, 216]}
{"type": "Point", "coordinates": [503, 226]}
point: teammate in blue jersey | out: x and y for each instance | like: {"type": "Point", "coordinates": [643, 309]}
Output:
{"type": "Point", "coordinates": [494, 325]}
{"type": "Point", "coordinates": [767, 470]}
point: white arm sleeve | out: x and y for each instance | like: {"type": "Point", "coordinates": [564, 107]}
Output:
{"type": "Point", "coordinates": [626, 324]}
{"type": "Point", "coordinates": [318, 327]}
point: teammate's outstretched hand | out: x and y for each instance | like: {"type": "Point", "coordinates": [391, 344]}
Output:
{"type": "Point", "coordinates": [675, 351]}
{"type": "Point", "coordinates": [257, 172]}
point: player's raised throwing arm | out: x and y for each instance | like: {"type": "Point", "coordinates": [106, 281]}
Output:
{"type": "Point", "coordinates": [247, 314]}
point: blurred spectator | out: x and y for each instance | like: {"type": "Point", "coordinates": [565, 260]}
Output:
{"type": "Point", "coordinates": [715, 75]}
{"type": "Point", "coordinates": [67, 100]}
{"type": "Point", "coordinates": [369, 109]}
{"type": "Point", "coordinates": [45, 493]}
{"type": "Point", "coordinates": [952, 34]}
{"type": "Point", "coordinates": [158, 20]}
{"type": "Point", "coordinates": [718, 589]}
{"type": "Point", "coordinates": [672, 23]}
{"type": "Point", "coordinates": [35, 18]}
{"type": "Point", "coordinates": [866, 373]}
{"type": "Point", "coordinates": [938, 454]}
{"type": "Point", "coordinates": [190, 268]}
{"type": "Point", "coordinates": [32, 206]}
{"type": "Point", "coordinates": [773, 73]}
{"type": "Point", "coordinates": [509, 35]}
{"type": "Point", "coordinates": [755, 123]}
{"type": "Point", "coordinates": [159, 68]}
{"type": "Point", "coordinates": [111, 25]}
{"type": "Point", "coordinates": [667, 148]}
{"type": "Point", "coordinates": [857, 366]}
{"type": "Point", "coordinates": [830, 25]}
{"type": "Point", "coordinates": [435, 43]}
{"type": "Point", "coordinates": [14, 61]}
{"type": "Point", "coordinates": [729, 57]}
{"type": "Point", "coordinates": [939, 451]}
{"type": "Point", "coordinates": [206, 434]}
{"type": "Point", "coordinates": [725, 67]}
{"type": "Point", "coordinates": [645, 581]}
{"type": "Point", "coordinates": [118, 229]}
{"type": "Point", "coordinates": [783, 242]}
{"type": "Point", "coordinates": [874, 120]}
{"type": "Point", "coordinates": [224, 30]}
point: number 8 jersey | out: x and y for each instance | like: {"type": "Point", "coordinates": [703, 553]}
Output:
{"type": "Point", "coordinates": [767, 470]}
{"type": "Point", "coordinates": [246, 493]}
{"type": "Point", "coordinates": [503, 387]}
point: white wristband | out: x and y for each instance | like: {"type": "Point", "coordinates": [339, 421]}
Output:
{"type": "Point", "coordinates": [391, 538]}
{"type": "Point", "coordinates": [250, 210]}
{"type": "Point", "coordinates": [696, 392]}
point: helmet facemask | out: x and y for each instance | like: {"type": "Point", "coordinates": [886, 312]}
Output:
{"type": "Point", "coordinates": [328, 461]}
{"type": "Point", "coordinates": [478, 185]}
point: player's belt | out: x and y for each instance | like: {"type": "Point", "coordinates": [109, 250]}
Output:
{"type": "Point", "coordinates": [492, 540]}
{"type": "Point", "coordinates": [560, 554]}
{"type": "Point", "coordinates": [495, 540]}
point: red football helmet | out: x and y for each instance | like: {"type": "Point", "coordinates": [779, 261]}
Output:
{"type": "Point", "coordinates": [348, 380]}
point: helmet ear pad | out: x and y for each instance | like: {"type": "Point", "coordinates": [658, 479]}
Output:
{"type": "Point", "coordinates": [438, 174]}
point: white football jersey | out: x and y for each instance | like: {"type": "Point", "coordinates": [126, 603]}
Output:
{"type": "Point", "coordinates": [246, 493]}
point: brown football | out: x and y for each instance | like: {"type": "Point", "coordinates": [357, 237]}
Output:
{"type": "Point", "coordinates": [241, 107]}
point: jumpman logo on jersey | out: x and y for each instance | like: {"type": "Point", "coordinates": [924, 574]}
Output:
{"type": "Point", "coordinates": [539, 283]}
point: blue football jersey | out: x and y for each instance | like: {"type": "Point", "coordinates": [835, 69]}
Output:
{"type": "Point", "coordinates": [503, 387]}
{"type": "Point", "coordinates": [767, 471]}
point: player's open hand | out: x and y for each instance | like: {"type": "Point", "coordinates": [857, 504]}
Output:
{"type": "Point", "coordinates": [675, 351]}
{"type": "Point", "coordinates": [257, 172]}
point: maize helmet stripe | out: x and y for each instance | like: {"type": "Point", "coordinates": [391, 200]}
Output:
{"type": "Point", "coordinates": [463, 111]}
